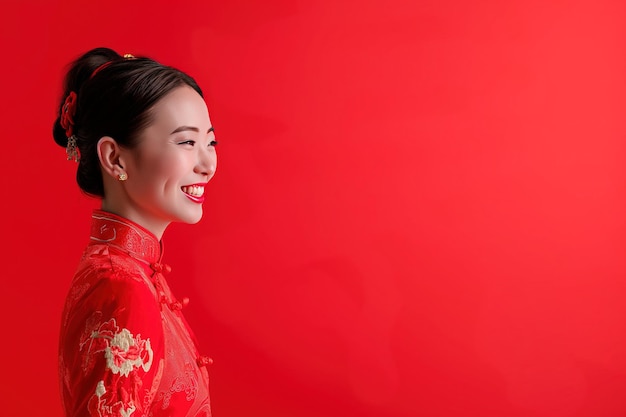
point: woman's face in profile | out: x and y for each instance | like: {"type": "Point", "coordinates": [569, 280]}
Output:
{"type": "Point", "coordinates": [174, 160]}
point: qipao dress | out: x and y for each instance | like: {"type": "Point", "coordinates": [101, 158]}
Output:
{"type": "Point", "coordinates": [125, 347]}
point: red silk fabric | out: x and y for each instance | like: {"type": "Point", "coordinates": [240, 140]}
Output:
{"type": "Point", "coordinates": [125, 347]}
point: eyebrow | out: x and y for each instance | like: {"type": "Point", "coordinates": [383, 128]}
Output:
{"type": "Point", "coordinates": [187, 128]}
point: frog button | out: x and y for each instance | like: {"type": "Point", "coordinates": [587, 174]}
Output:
{"type": "Point", "coordinates": [179, 305]}
{"type": "Point", "coordinates": [161, 268]}
{"type": "Point", "coordinates": [204, 361]}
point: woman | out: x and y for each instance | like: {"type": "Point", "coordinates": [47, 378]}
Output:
{"type": "Point", "coordinates": [141, 134]}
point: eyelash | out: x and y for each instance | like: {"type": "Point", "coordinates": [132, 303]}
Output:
{"type": "Point", "coordinates": [193, 142]}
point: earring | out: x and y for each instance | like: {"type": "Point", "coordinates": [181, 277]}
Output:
{"type": "Point", "coordinates": [122, 176]}
{"type": "Point", "coordinates": [72, 149]}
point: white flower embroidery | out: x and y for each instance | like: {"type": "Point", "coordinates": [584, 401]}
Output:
{"type": "Point", "coordinates": [125, 353]}
{"type": "Point", "coordinates": [127, 412]}
{"type": "Point", "coordinates": [100, 390]}
{"type": "Point", "coordinates": [123, 340]}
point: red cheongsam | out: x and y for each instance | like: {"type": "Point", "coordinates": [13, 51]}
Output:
{"type": "Point", "coordinates": [125, 348]}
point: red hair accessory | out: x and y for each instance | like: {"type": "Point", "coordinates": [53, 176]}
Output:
{"type": "Point", "coordinates": [100, 68]}
{"type": "Point", "coordinates": [67, 114]}
{"type": "Point", "coordinates": [106, 64]}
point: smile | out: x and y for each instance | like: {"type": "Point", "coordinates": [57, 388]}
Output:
{"type": "Point", "coordinates": [194, 192]}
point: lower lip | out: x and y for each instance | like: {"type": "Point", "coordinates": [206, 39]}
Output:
{"type": "Point", "coordinates": [195, 199]}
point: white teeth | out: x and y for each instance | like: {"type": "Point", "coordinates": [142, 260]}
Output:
{"type": "Point", "coordinates": [196, 191]}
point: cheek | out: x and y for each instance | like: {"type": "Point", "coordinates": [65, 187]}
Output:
{"type": "Point", "coordinates": [172, 171]}
{"type": "Point", "coordinates": [159, 165]}
{"type": "Point", "coordinates": [163, 170]}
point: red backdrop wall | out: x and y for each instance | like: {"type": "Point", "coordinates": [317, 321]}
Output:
{"type": "Point", "coordinates": [418, 211]}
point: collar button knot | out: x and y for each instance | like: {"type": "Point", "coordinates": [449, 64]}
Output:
{"type": "Point", "coordinates": [204, 361]}
{"type": "Point", "coordinates": [161, 268]}
{"type": "Point", "coordinates": [179, 305]}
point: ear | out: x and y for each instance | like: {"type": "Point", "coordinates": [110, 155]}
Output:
{"type": "Point", "coordinates": [109, 153]}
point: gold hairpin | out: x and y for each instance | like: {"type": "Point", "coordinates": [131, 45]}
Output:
{"type": "Point", "coordinates": [129, 56]}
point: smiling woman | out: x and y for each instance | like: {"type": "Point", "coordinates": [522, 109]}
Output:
{"type": "Point", "coordinates": [168, 168]}
{"type": "Point", "coordinates": [141, 135]}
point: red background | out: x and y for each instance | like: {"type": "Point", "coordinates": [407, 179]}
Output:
{"type": "Point", "coordinates": [418, 210]}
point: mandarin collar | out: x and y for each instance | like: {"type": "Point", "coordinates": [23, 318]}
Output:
{"type": "Point", "coordinates": [137, 241]}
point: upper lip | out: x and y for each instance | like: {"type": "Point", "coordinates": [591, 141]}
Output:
{"type": "Point", "coordinates": [200, 184]}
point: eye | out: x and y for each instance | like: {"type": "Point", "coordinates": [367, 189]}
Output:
{"type": "Point", "coordinates": [187, 142]}
{"type": "Point", "coordinates": [213, 143]}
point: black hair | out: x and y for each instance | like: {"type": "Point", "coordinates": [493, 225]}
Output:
{"type": "Point", "coordinates": [115, 96]}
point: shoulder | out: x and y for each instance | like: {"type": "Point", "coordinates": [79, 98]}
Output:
{"type": "Point", "coordinates": [103, 260]}
{"type": "Point", "coordinates": [106, 267]}
{"type": "Point", "coordinates": [106, 277]}
{"type": "Point", "coordinates": [108, 295]}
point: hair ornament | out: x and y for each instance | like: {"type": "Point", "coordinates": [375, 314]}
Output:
{"type": "Point", "coordinates": [67, 114]}
{"type": "Point", "coordinates": [100, 68]}
{"type": "Point", "coordinates": [67, 122]}
{"type": "Point", "coordinates": [106, 64]}
{"type": "Point", "coordinates": [72, 149]}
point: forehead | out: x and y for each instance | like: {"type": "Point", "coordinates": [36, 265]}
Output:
{"type": "Point", "coordinates": [182, 106]}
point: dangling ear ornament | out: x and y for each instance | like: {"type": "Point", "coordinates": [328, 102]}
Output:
{"type": "Point", "coordinates": [72, 149]}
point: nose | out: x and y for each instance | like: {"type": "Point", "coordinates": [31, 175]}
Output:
{"type": "Point", "coordinates": [207, 162]}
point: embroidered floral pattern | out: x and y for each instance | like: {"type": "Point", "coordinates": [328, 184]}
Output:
{"type": "Point", "coordinates": [102, 405]}
{"type": "Point", "coordinates": [187, 383]}
{"type": "Point", "coordinates": [88, 360]}
{"type": "Point", "coordinates": [124, 354]}
{"type": "Point", "coordinates": [123, 351]}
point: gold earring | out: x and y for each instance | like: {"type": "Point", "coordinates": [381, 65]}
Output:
{"type": "Point", "coordinates": [122, 176]}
